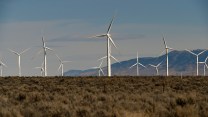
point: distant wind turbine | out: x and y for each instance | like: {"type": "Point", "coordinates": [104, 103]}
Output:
{"type": "Point", "coordinates": [205, 65]}
{"type": "Point", "coordinates": [19, 58]}
{"type": "Point", "coordinates": [137, 64]}
{"type": "Point", "coordinates": [41, 69]}
{"type": "Point", "coordinates": [1, 67]}
{"type": "Point", "coordinates": [197, 60]}
{"type": "Point", "coordinates": [45, 48]}
{"type": "Point", "coordinates": [166, 50]}
{"type": "Point", "coordinates": [100, 68]}
{"type": "Point", "coordinates": [61, 65]}
{"type": "Point", "coordinates": [109, 39]}
{"type": "Point", "coordinates": [156, 67]}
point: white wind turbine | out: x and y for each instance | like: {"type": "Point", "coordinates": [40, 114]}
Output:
{"type": "Point", "coordinates": [197, 60]}
{"type": "Point", "coordinates": [109, 39]}
{"type": "Point", "coordinates": [41, 69]}
{"type": "Point", "coordinates": [1, 67]}
{"type": "Point", "coordinates": [156, 67]}
{"type": "Point", "coordinates": [137, 64]}
{"type": "Point", "coordinates": [205, 65]}
{"type": "Point", "coordinates": [61, 65]}
{"type": "Point", "coordinates": [166, 50]}
{"type": "Point", "coordinates": [45, 48]}
{"type": "Point", "coordinates": [100, 69]}
{"type": "Point", "coordinates": [19, 58]}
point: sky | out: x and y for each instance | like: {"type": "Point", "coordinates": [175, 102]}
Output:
{"type": "Point", "coordinates": [67, 24]}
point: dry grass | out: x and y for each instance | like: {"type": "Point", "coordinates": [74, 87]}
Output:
{"type": "Point", "coordinates": [104, 97]}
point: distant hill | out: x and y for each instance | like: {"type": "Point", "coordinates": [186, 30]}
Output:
{"type": "Point", "coordinates": [179, 62]}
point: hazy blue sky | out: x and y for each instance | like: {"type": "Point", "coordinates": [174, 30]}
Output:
{"type": "Point", "coordinates": [67, 24]}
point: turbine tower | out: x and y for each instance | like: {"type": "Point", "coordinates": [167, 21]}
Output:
{"type": "Point", "coordinates": [61, 65]}
{"type": "Point", "coordinates": [166, 50]}
{"type": "Point", "coordinates": [100, 69]}
{"type": "Point", "coordinates": [156, 67]}
{"type": "Point", "coordinates": [205, 65]}
{"type": "Point", "coordinates": [1, 67]}
{"type": "Point", "coordinates": [197, 60]}
{"type": "Point", "coordinates": [19, 58]}
{"type": "Point", "coordinates": [137, 64]}
{"type": "Point", "coordinates": [109, 39]}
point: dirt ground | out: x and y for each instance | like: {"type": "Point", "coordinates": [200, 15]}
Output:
{"type": "Point", "coordinates": [104, 97]}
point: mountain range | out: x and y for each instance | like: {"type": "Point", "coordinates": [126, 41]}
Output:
{"type": "Point", "coordinates": [179, 62]}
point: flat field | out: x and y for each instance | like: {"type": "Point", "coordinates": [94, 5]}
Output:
{"type": "Point", "coordinates": [104, 97]}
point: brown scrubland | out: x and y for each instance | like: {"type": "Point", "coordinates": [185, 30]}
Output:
{"type": "Point", "coordinates": [104, 97]}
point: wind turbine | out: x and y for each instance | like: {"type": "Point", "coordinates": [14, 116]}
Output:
{"type": "Point", "coordinates": [45, 48]}
{"type": "Point", "coordinates": [1, 67]}
{"type": "Point", "coordinates": [109, 39]}
{"type": "Point", "coordinates": [137, 64]}
{"type": "Point", "coordinates": [41, 69]}
{"type": "Point", "coordinates": [19, 58]}
{"type": "Point", "coordinates": [100, 69]}
{"type": "Point", "coordinates": [197, 60]}
{"type": "Point", "coordinates": [61, 65]}
{"type": "Point", "coordinates": [205, 65]}
{"type": "Point", "coordinates": [156, 67]}
{"type": "Point", "coordinates": [166, 50]}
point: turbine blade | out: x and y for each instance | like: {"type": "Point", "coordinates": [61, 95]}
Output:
{"type": "Point", "coordinates": [152, 65]}
{"type": "Point", "coordinates": [161, 53]}
{"type": "Point", "coordinates": [137, 57]}
{"type": "Point", "coordinates": [112, 42]}
{"type": "Point", "coordinates": [102, 35]}
{"type": "Point", "coordinates": [206, 59]}
{"type": "Point", "coordinates": [58, 58]}
{"type": "Point", "coordinates": [95, 67]}
{"type": "Point", "coordinates": [206, 65]}
{"type": "Point", "coordinates": [133, 65]}
{"type": "Point", "coordinates": [24, 51]}
{"type": "Point", "coordinates": [159, 64]}
{"type": "Point", "coordinates": [201, 62]}
{"type": "Point", "coordinates": [43, 40]}
{"type": "Point", "coordinates": [115, 59]}
{"type": "Point", "coordinates": [59, 67]}
{"type": "Point", "coordinates": [101, 63]}
{"type": "Point", "coordinates": [102, 71]}
{"type": "Point", "coordinates": [3, 64]}
{"type": "Point", "coordinates": [66, 61]}
{"type": "Point", "coordinates": [191, 52]}
{"type": "Point", "coordinates": [202, 52]}
{"type": "Point", "coordinates": [42, 64]}
{"type": "Point", "coordinates": [102, 58]}
{"type": "Point", "coordinates": [142, 65]}
{"type": "Point", "coordinates": [109, 28]}
{"type": "Point", "coordinates": [37, 67]}
{"type": "Point", "coordinates": [164, 41]}
{"type": "Point", "coordinates": [14, 52]}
